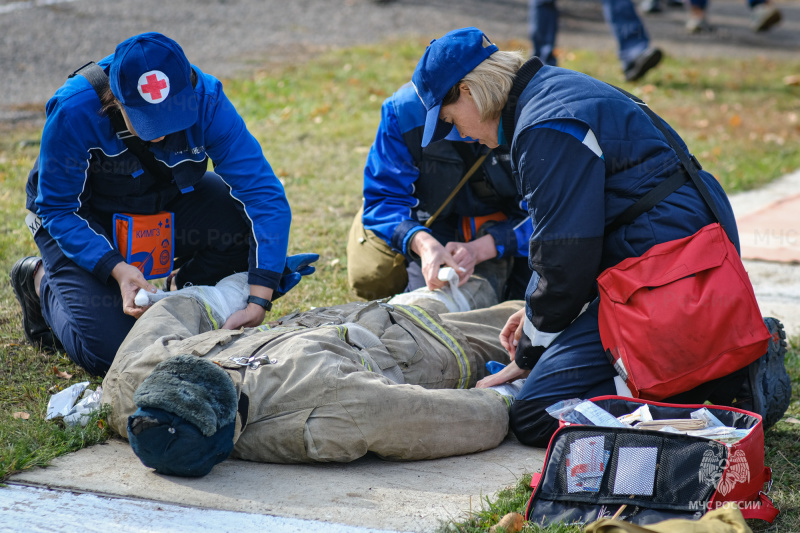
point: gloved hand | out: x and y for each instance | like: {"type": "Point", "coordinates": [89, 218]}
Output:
{"type": "Point", "coordinates": [297, 266]}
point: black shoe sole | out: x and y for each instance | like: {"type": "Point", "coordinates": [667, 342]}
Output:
{"type": "Point", "coordinates": [640, 69]}
{"type": "Point", "coordinates": [769, 22]}
{"type": "Point", "coordinates": [772, 387]}
{"type": "Point", "coordinates": [45, 340]}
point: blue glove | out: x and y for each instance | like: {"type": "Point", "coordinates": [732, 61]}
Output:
{"type": "Point", "coordinates": [297, 266]}
{"type": "Point", "coordinates": [494, 366]}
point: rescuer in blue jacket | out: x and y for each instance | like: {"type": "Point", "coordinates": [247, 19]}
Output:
{"type": "Point", "coordinates": [234, 219]}
{"type": "Point", "coordinates": [484, 229]}
{"type": "Point", "coordinates": [582, 153]}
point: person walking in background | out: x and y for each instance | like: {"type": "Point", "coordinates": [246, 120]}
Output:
{"type": "Point", "coordinates": [634, 50]}
{"type": "Point", "coordinates": [764, 14]}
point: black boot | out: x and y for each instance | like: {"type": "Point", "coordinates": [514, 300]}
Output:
{"type": "Point", "coordinates": [36, 329]}
{"type": "Point", "coordinates": [767, 389]}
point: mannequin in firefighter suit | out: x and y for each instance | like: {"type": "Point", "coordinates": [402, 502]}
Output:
{"type": "Point", "coordinates": [583, 152]}
{"type": "Point", "coordinates": [235, 219]}
{"type": "Point", "coordinates": [329, 384]}
{"type": "Point", "coordinates": [484, 229]}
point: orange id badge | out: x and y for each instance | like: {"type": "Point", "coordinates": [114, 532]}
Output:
{"type": "Point", "coordinates": [146, 242]}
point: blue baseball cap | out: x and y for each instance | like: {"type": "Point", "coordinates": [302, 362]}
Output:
{"type": "Point", "coordinates": [186, 416]}
{"type": "Point", "coordinates": [151, 78]}
{"type": "Point", "coordinates": [175, 447]}
{"type": "Point", "coordinates": [445, 62]}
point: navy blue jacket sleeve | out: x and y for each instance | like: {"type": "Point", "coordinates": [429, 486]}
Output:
{"type": "Point", "coordinates": [240, 162]}
{"type": "Point", "coordinates": [72, 121]}
{"type": "Point", "coordinates": [389, 177]}
{"type": "Point", "coordinates": [511, 237]}
{"type": "Point", "coordinates": [562, 177]}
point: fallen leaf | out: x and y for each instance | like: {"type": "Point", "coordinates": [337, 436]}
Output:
{"type": "Point", "coordinates": [735, 121]}
{"type": "Point", "coordinates": [61, 374]}
{"type": "Point", "coordinates": [793, 420]}
{"type": "Point", "coordinates": [101, 424]}
{"type": "Point", "coordinates": [512, 523]}
{"type": "Point", "coordinates": [334, 262]}
{"type": "Point", "coordinates": [792, 80]}
{"type": "Point", "coordinates": [22, 414]}
{"type": "Point", "coordinates": [54, 388]}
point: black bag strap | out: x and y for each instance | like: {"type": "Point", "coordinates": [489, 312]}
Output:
{"type": "Point", "coordinates": [95, 74]}
{"type": "Point", "coordinates": [690, 165]}
{"type": "Point", "coordinates": [474, 168]}
{"type": "Point", "coordinates": [649, 200]}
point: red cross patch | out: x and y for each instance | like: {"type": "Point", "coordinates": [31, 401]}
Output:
{"type": "Point", "coordinates": [153, 86]}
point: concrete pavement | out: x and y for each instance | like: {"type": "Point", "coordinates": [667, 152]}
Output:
{"type": "Point", "coordinates": [369, 492]}
{"type": "Point", "coordinates": [769, 233]}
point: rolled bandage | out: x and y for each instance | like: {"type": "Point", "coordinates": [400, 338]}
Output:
{"type": "Point", "coordinates": [224, 298]}
{"type": "Point", "coordinates": [144, 298]}
{"type": "Point", "coordinates": [451, 276]}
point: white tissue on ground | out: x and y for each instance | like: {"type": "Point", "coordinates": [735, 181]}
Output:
{"type": "Point", "coordinates": [62, 404]}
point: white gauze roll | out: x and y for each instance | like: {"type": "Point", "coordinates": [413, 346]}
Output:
{"type": "Point", "coordinates": [224, 298]}
{"type": "Point", "coordinates": [451, 276]}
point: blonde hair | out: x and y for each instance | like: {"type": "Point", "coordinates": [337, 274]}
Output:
{"type": "Point", "coordinates": [489, 83]}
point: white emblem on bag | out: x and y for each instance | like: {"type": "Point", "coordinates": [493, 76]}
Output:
{"type": "Point", "coordinates": [724, 472]}
{"type": "Point", "coordinates": [153, 86]}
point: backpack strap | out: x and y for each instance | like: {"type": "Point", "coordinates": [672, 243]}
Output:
{"type": "Point", "coordinates": [475, 166]}
{"type": "Point", "coordinates": [649, 200]}
{"type": "Point", "coordinates": [690, 165]}
{"type": "Point", "coordinates": [95, 74]}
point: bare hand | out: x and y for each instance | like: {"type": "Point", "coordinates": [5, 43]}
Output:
{"type": "Point", "coordinates": [512, 331]}
{"type": "Point", "coordinates": [130, 280]}
{"type": "Point", "coordinates": [464, 255]}
{"type": "Point", "coordinates": [432, 256]}
{"type": "Point", "coordinates": [249, 317]}
{"type": "Point", "coordinates": [510, 373]}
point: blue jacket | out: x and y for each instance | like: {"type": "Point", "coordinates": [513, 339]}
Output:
{"type": "Point", "coordinates": [582, 153]}
{"type": "Point", "coordinates": [85, 174]}
{"type": "Point", "coordinates": [404, 184]}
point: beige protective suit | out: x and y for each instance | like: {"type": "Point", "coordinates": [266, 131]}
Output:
{"type": "Point", "coordinates": [334, 383]}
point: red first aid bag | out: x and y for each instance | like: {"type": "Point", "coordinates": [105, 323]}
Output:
{"type": "Point", "coordinates": [590, 472]}
{"type": "Point", "coordinates": [146, 242]}
{"type": "Point", "coordinates": [680, 315]}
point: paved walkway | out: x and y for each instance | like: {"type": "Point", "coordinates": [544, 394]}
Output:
{"type": "Point", "coordinates": [769, 232]}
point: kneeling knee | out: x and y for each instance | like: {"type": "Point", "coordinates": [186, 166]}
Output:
{"type": "Point", "coordinates": [531, 424]}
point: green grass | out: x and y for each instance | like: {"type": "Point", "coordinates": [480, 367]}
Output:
{"type": "Point", "coordinates": [316, 120]}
